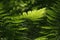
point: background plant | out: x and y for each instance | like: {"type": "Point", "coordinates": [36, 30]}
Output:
{"type": "Point", "coordinates": [29, 19]}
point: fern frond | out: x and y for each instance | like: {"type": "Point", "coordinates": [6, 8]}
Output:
{"type": "Point", "coordinates": [35, 14]}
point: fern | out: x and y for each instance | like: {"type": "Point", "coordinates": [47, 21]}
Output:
{"type": "Point", "coordinates": [34, 15]}
{"type": "Point", "coordinates": [12, 23]}
{"type": "Point", "coordinates": [20, 21]}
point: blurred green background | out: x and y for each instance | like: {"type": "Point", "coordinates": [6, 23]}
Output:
{"type": "Point", "coordinates": [29, 19]}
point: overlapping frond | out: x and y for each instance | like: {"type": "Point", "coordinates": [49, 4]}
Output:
{"type": "Point", "coordinates": [42, 24]}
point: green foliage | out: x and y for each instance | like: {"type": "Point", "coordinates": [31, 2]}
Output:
{"type": "Point", "coordinates": [29, 20]}
{"type": "Point", "coordinates": [35, 14]}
